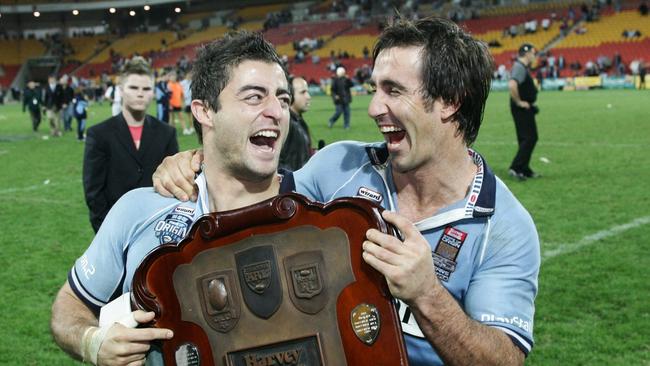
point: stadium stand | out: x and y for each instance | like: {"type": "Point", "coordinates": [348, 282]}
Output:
{"type": "Point", "coordinates": [338, 34]}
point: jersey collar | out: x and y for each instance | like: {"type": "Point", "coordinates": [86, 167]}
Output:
{"type": "Point", "coordinates": [479, 202]}
{"type": "Point", "coordinates": [287, 184]}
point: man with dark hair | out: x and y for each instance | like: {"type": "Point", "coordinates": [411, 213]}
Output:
{"type": "Point", "coordinates": [122, 152]}
{"type": "Point", "coordinates": [466, 272]}
{"type": "Point", "coordinates": [523, 94]}
{"type": "Point", "coordinates": [297, 148]}
{"type": "Point", "coordinates": [241, 102]}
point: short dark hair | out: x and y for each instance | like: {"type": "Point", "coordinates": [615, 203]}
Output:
{"type": "Point", "coordinates": [456, 67]}
{"type": "Point", "coordinates": [215, 61]}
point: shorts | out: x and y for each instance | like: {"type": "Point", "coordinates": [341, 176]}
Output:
{"type": "Point", "coordinates": [176, 109]}
{"type": "Point", "coordinates": [188, 109]}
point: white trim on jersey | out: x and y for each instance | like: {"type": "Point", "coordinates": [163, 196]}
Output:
{"type": "Point", "coordinates": [347, 181]}
{"type": "Point", "coordinates": [514, 335]}
{"type": "Point", "coordinates": [86, 295]}
{"type": "Point", "coordinates": [442, 219]}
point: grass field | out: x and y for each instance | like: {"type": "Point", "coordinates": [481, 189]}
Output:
{"type": "Point", "coordinates": [591, 209]}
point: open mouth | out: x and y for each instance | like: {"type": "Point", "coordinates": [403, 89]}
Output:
{"type": "Point", "coordinates": [392, 133]}
{"type": "Point", "coordinates": [264, 139]}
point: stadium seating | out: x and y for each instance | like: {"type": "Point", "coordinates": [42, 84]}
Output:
{"type": "Point", "coordinates": [257, 12]}
{"type": "Point", "coordinates": [604, 38]}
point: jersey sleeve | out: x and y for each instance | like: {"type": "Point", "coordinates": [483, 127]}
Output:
{"type": "Point", "coordinates": [328, 171]}
{"type": "Point", "coordinates": [97, 276]}
{"type": "Point", "coordinates": [518, 73]}
{"type": "Point", "coordinates": [502, 292]}
{"type": "Point", "coordinates": [309, 178]}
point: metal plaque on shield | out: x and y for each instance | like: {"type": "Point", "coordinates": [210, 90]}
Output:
{"type": "Point", "coordinates": [259, 280]}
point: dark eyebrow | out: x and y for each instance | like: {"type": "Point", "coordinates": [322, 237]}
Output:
{"type": "Point", "coordinates": [281, 91]}
{"type": "Point", "coordinates": [393, 84]}
{"type": "Point", "coordinates": [258, 88]}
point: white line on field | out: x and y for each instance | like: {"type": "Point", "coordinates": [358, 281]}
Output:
{"type": "Point", "coordinates": [593, 238]}
{"type": "Point", "coordinates": [565, 144]}
{"type": "Point", "coordinates": [35, 187]}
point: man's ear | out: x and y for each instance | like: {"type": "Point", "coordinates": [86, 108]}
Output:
{"type": "Point", "coordinates": [202, 113]}
{"type": "Point", "coordinates": [447, 110]}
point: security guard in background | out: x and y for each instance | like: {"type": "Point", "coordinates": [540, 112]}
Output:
{"type": "Point", "coordinates": [523, 95]}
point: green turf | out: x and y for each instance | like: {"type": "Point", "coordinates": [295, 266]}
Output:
{"type": "Point", "coordinates": [593, 307]}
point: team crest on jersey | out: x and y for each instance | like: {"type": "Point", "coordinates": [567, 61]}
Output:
{"type": "Point", "coordinates": [175, 225]}
{"type": "Point", "coordinates": [370, 194]}
{"type": "Point", "coordinates": [444, 256]}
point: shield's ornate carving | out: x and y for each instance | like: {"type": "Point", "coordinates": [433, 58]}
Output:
{"type": "Point", "coordinates": [310, 299]}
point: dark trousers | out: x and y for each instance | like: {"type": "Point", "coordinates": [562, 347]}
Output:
{"type": "Point", "coordinates": [526, 128]}
{"type": "Point", "coordinates": [35, 114]}
{"type": "Point", "coordinates": [341, 108]}
{"type": "Point", "coordinates": [81, 127]}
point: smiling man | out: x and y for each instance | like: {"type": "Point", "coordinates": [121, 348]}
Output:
{"type": "Point", "coordinates": [241, 105]}
{"type": "Point", "coordinates": [465, 268]}
{"type": "Point", "coordinates": [122, 152]}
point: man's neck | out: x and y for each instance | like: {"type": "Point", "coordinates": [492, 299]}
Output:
{"type": "Point", "coordinates": [296, 113]}
{"type": "Point", "coordinates": [228, 193]}
{"type": "Point", "coordinates": [424, 191]}
{"type": "Point", "coordinates": [133, 118]}
{"type": "Point", "coordinates": [523, 61]}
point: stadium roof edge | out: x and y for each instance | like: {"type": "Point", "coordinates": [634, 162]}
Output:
{"type": "Point", "coordinates": [65, 6]}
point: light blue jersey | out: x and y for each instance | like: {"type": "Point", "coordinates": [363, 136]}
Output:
{"type": "Point", "coordinates": [140, 221]}
{"type": "Point", "coordinates": [485, 247]}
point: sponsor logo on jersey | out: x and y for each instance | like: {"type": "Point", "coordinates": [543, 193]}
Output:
{"type": "Point", "coordinates": [370, 194]}
{"type": "Point", "coordinates": [446, 252]}
{"type": "Point", "coordinates": [189, 211]}
{"type": "Point", "coordinates": [175, 225]}
{"type": "Point", "coordinates": [515, 320]}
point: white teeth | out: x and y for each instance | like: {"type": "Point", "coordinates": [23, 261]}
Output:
{"type": "Point", "coordinates": [387, 129]}
{"type": "Point", "coordinates": [266, 133]}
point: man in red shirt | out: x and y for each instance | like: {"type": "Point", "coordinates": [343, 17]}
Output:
{"type": "Point", "coordinates": [122, 152]}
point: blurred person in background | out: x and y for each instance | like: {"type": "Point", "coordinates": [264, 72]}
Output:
{"type": "Point", "coordinates": [79, 108]}
{"type": "Point", "coordinates": [186, 83]}
{"type": "Point", "coordinates": [68, 95]}
{"type": "Point", "coordinates": [32, 101]}
{"type": "Point", "coordinates": [297, 147]}
{"type": "Point", "coordinates": [162, 98]}
{"type": "Point", "coordinates": [122, 152]}
{"type": "Point", "coordinates": [523, 94]}
{"type": "Point", "coordinates": [114, 95]}
{"type": "Point", "coordinates": [53, 102]}
{"type": "Point", "coordinates": [342, 97]}
{"type": "Point", "coordinates": [176, 103]}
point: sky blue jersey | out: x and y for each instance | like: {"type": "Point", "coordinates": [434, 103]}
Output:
{"type": "Point", "coordinates": [140, 221]}
{"type": "Point", "coordinates": [485, 247]}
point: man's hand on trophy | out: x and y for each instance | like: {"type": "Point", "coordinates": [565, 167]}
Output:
{"type": "Point", "coordinates": [407, 264]}
{"type": "Point", "coordinates": [122, 345]}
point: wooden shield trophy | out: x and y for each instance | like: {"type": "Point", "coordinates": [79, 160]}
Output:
{"type": "Point", "coordinates": [281, 282]}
